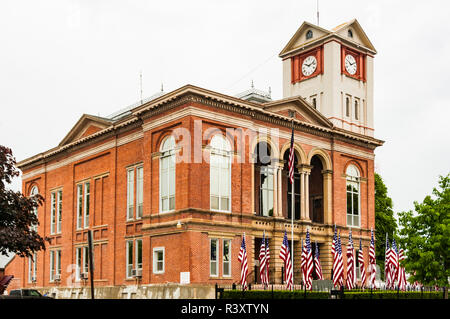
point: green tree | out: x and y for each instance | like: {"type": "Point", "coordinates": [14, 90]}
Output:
{"type": "Point", "coordinates": [385, 222]}
{"type": "Point", "coordinates": [425, 234]}
{"type": "Point", "coordinates": [16, 213]}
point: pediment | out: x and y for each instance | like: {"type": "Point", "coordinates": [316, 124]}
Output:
{"type": "Point", "coordinates": [299, 38]}
{"type": "Point", "coordinates": [303, 111]}
{"type": "Point", "coordinates": [86, 125]}
{"type": "Point", "coordinates": [359, 36]}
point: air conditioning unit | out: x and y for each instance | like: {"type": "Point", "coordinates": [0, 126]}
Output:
{"type": "Point", "coordinates": [57, 277]}
{"type": "Point", "coordinates": [138, 273]}
{"type": "Point", "coordinates": [33, 279]}
{"type": "Point", "coordinates": [84, 276]}
{"type": "Point", "coordinates": [133, 272]}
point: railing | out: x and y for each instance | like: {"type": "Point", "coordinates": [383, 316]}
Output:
{"type": "Point", "coordinates": [333, 292]}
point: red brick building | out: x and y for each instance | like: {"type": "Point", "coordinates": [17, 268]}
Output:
{"type": "Point", "coordinates": [169, 187]}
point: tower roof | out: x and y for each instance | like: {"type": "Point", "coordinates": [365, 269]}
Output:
{"type": "Point", "coordinates": [300, 40]}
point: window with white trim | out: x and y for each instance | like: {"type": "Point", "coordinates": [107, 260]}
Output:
{"type": "Point", "coordinates": [83, 204]}
{"type": "Point", "coordinates": [158, 260]}
{"type": "Point", "coordinates": [220, 174]}
{"type": "Point", "coordinates": [226, 257]}
{"type": "Point", "coordinates": [167, 175]}
{"type": "Point", "coordinates": [134, 258]}
{"type": "Point", "coordinates": [135, 189]}
{"type": "Point", "coordinates": [55, 212]}
{"type": "Point", "coordinates": [213, 257]}
{"type": "Point", "coordinates": [32, 268]}
{"type": "Point", "coordinates": [34, 191]}
{"type": "Point", "coordinates": [353, 196]}
{"type": "Point", "coordinates": [55, 265]}
{"type": "Point", "coordinates": [82, 261]}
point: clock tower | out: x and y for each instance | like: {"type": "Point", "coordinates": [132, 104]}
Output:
{"type": "Point", "coordinates": [333, 71]}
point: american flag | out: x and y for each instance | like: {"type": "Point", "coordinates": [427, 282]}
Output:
{"type": "Point", "coordinates": [309, 262]}
{"type": "Point", "coordinates": [333, 247]}
{"type": "Point", "coordinates": [262, 261]}
{"type": "Point", "coordinates": [387, 272]}
{"type": "Point", "coordinates": [291, 159]}
{"type": "Point", "coordinates": [338, 265]}
{"type": "Point", "coordinates": [394, 262]}
{"type": "Point", "coordinates": [350, 263]}
{"type": "Point", "coordinates": [267, 260]}
{"type": "Point", "coordinates": [285, 255]}
{"type": "Point", "coordinates": [318, 266]}
{"type": "Point", "coordinates": [244, 266]}
{"type": "Point", "coordinates": [361, 265]}
{"type": "Point", "coordinates": [401, 272]}
{"type": "Point", "coordinates": [372, 261]}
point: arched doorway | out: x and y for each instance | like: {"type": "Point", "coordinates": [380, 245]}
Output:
{"type": "Point", "coordinates": [287, 188]}
{"type": "Point", "coordinates": [316, 198]}
{"type": "Point", "coordinates": [263, 180]}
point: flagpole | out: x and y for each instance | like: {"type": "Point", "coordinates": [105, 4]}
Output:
{"type": "Point", "coordinates": [292, 212]}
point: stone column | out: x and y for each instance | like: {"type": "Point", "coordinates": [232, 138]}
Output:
{"type": "Point", "coordinates": [275, 190]}
{"type": "Point", "coordinates": [307, 196]}
{"type": "Point", "coordinates": [327, 196]}
{"type": "Point", "coordinates": [302, 194]}
{"type": "Point", "coordinates": [280, 187]}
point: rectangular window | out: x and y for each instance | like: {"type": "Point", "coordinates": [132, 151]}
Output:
{"type": "Point", "coordinates": [59, 213]}
{"type": "Point", "coordinates": [79, 206]}
{"type": "Point", "coordinates": [226, 258]}
{"type": "Point", "coordinates": [32, 268]}
{"type": "Point", "coordinates": [87, 187]}
{"type": "Point", "coordinates": [158, 260]}
{"type": "Point", "coordinates": [129, 259]}
{"type": "Point", "coordinates": [213, 257]}
{"type": "Point", "coordinates": [52, 265]}
{"type": "Point", "coordinates": [85, 260]}
{"type": "Point", "coordinates": [55, 265]}
{"type": "Point", "coordinates": [139, 192]}
{"type": "Point", "coordinates": [52, 212]}
{"type": "Point", "coordinates": [130, 194]}
{"type": "Point", "coordinates": [167, 183]}
{"type": "Point", "coordinates": [138, 261]}
{"type": "Point", "coordinates": [78, 258]}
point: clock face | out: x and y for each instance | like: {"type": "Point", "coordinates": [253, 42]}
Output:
{"type": "Point", "coordinates": [309, 65]}
{"type": "Point", "coordinates": [350, 64]}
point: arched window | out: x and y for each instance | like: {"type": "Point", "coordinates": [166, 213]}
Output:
{"type": "Point", "coordinates": [309, 34]}
{"type": "Point", "coordinates": [167, 175]}
{"type": "Point", "coordinates": [264, 179]}
{"type": "Point", "coordinates": [220, 174]}
{"type": "Point", "coordinates": [353, 196]}
{"type": "Point", "coordinates": [34, 191]}
{"type": "Point", "coordinates": [356, 110]}
{"type": "Point", "coordinates": [350, 33]}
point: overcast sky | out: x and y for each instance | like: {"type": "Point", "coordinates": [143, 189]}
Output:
{"type": "Point", "coordinates": [60, 59]}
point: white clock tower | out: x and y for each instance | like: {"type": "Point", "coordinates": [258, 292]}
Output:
{"type": "Point", "coordinates": [333, 71]}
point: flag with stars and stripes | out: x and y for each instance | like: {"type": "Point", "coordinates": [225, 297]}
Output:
{"type": "Point", "coordinates": [362, 269]}
{"type": "Point", "coordinates": [387, 269]}
{"type": "Point", "coordinates": [291, 158]}
{"type": "Point", "coordinates": [401, 271]}
{"type": "Point", "coordinates": [394, 263]}
{"type": "Point", "coordinates": [372, 261]}
{"type": "Point", "coordinates": [338, 265]}
{"type": "Point", "coordinates": [317, 265]}
{"type": "Point", "coordinates": [262, 261]}
{"type": "Point", "coordinates": [350, 262]}
{"type": "Point", "coordinates": [285, 255]}
{"type": "Point", "coordinates": [244, 265]}
{"type": "Point", "coordinates": [309, 262]}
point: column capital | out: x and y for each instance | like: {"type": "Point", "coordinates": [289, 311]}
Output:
{"type": "Point", "coordinates": [327, 172]}
{"type": "Point", "coordinates": [304, 168]}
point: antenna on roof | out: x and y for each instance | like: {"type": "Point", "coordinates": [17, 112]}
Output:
{"type": "Point", "coordinates": [140, 79]}
{"type": "Point", "coordinates": [162, 87]}
{"type": "Point", "coordinates": [317, 12]}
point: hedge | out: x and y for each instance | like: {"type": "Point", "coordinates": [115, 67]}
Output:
{"type": "Point", "coordinates": [300, 294]}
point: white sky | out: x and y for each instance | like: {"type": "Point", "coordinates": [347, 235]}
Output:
{"type": "Point", "coordinates": [60, 59]}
